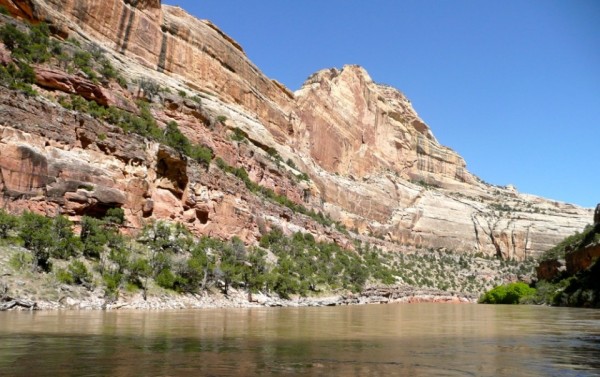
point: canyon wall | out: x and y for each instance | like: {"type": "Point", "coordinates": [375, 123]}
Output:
{"type": "Point", "coordinates": [373, 164]}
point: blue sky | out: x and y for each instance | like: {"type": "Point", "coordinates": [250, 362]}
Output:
{"type": "Point", "coordinates": [513, 86]}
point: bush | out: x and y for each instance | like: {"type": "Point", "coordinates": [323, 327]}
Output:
{"type": "Point", "coordinates": [64, 244]}
{"type": "Point", "coordinates": [8, 223]}
{"type": "Point", "coordinates": [20, 259]}
{"type": "Point", "coordinates": [201, 154]}
{"type": "Point", "coordinates": [64, 276]}
{"type": "Point", "coordinates": [115, 215]}
{"type": "Point", "coordinates": [79, 273]}
{"type": "Point", "coordinates": [31, 47]}
{"type": "Point", "coordinates": [238, 135]}
{"type": "Point", "coordinates": [36, 234]}
{"type": "Point", "coordinates": [166, 279]}
{"type": "Point", "coordinates": [94, 237]}
{"type": "Point", "coordinates": [112, 281]}
{"type": "Point", "coordinates": [511, 293]}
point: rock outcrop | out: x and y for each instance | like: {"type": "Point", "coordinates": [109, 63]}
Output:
{"type": "Point", "coordinates": [373, 164]}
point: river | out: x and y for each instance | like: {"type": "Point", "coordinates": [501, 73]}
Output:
{"type": "Point", "coordinates": [371, 340]}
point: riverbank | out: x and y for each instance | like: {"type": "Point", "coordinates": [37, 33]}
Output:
{"type": "Point", "coordinates": [240, 299]}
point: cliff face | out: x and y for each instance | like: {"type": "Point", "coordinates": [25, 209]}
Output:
{"type": "Point", "coordinates": [373, 163]}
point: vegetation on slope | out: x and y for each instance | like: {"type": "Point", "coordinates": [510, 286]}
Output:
{"type": "Point", "coordinates": [167, 256]}
{"type": "Point", "coordinates": [580, 290]}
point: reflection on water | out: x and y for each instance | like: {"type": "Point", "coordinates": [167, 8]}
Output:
{"type": "Point", "coordinates": [375, 340]}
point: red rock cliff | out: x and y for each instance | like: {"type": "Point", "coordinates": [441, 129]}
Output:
{"type": "Point", "coordinates": [373, 163]}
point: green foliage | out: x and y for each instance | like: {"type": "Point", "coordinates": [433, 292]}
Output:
{"type": "Point", "coordinates": [139, 271]}
{"type": "Point", "coordinates": [3, 10]}
{"type": "Point", "coordinates": [255, 270]}
{"type": "Point", "coordinates": [112, 282]}
{"type": "Point", "coordinates": [20, 260]}
{"type": "Point", "coordinates": [272, 152]}
{"type": "Point", "coordinates": [31, 46]}
{"type": "Point", "coordinates": [19, 77]}
{"type": "Point", "coordinates": [8, 223]}
{"type": "Point", "coordinates": [166, 279]}
{"type": "Point", "coordinates": [511, 293]}
{"type": "Point", "coordinates": [83, 61]}
{"type": "Point", "coordinates": [238, 135]}
{"type": "Point", "coordinates": [269, 194]}
{"type": "Point", "coordinates": [115, 215]}
{"type": "Point", "coordinates": [584, 290]}
{"type": "Point", "coordinates": [94, 236]}
{"type": "Point", "coordinates": [221, 118]}
{"type": "Point", "coordinates": [36, 233]}
{"type": "Point", "coordinates": [64, 243]}
{"type": "Point", "coordinates": [144, 125]}
{"type": "Point", "coordinates": [175, 139]}
{"type": "Point", "coordinates": [76, 273]}
{"type": "Point", "coordinates": [201, 153]}
{"type": "Point", "coordinates": [303, 177]}
{"type": "Point", "coordinates": [581, 289]}
{"type": "Point", "coordinates": [149, 86]}
{"type": "Point", "coordinates": [290, 163]}
{"type": "Point", "coordinates": [502, 207]}
{"type": "Point", "coordinates": [26, 47]}
{"type": "Point", "coordinates": [64, 276]}
{"type": "Point", "coordinates": [296, 265]}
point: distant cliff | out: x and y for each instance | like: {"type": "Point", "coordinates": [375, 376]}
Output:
{"type": "Point", "coordinates": [342, 147]}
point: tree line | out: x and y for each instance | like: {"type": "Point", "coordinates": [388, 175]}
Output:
{"type": "Point", "coordinates": [167, 255]}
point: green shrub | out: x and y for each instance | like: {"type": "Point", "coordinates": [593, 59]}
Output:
{"type": "Point", "coordinates": [112, 282]}
{"type": "Point", "coordinates": [64, 243]}
{"type": "Point", "coordinates": [238, 134]}
{"type": "Point", "coordinates": [115, 215]}
{"type": "Point", "coordinates": [94, 236]}
{"type": "Point", "coordinates": [8, 223]}
{"type": "Point", "coordinates": [20, 260]}
{"type": "Point", "coordinates": [64, 276]}
{"type": "Point", "coordinates": [79, 273]}
{"type": "Point", "coordinates": [201, 154]}
{"type": "Point", "coordinates": [508, 294]}
{"type": "Point", "coordinates": [139, 272]}
{"type": "Point", "coordinates": [31, 46]}
{"type": "Point", "coordinates": [166, 279]}
{"type": "Point", "coordinates": [274, 154]}
{"type": "Point", "coordinates": [149, 86]}
{"type": "Point", "coordinates": [36, 233]}
{"type": "Point", "coordinates": [83, 61]}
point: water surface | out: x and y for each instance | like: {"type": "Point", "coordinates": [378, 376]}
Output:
{"type": "Point", "coordinates": [374, 340]}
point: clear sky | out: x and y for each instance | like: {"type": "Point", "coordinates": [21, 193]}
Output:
{"type": "Point", "coordinates": [511, 85]}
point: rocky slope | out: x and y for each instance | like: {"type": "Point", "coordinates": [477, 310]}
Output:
{"type": "Point", "coordinates": [373, 164]}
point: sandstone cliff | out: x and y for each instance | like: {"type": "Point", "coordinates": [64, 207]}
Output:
{"type": "Point", "coordinates": [373, 164]}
